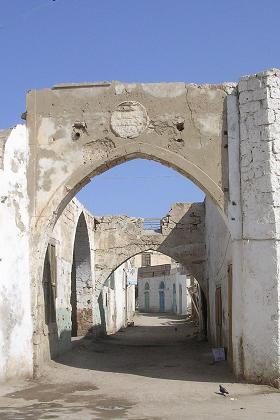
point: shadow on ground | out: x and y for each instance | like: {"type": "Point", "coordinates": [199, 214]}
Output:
{"type": "Point", "coordinates": [51, 401]}
{"type": "Point", "coordinates": [157, 346]}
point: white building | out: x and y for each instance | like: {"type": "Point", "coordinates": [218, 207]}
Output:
{"type": "Point", "coordinates": [163, 288]}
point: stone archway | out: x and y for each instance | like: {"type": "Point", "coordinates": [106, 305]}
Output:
{"type": "Point", "coordinates": [181, 237]}
{"type": "Point", "coordinates": [79, 131]}
{"type": "Point", "coordinates": [76, 132]}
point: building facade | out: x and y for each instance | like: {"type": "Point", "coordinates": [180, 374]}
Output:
{"type": "Point", "coordinates": [163, 288]}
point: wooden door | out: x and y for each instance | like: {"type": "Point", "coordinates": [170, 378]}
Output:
{"type": "Point", "coordinates": [230, 312]}
{"type": "Point", "coordinates": [219, 312]}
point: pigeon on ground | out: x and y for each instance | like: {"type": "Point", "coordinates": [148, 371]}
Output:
{"type": "Point", "coordinates": [223, 390]}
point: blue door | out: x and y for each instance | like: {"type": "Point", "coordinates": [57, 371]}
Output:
{"type": "Point", "coordinates": [161, 301]}
{"type": "Point", "coordinates": [180, 300]}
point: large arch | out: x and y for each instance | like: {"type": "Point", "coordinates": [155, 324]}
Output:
{"type": "Point", "coordinates": [77, 132]}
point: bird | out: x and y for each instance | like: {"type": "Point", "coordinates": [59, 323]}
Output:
{"type": "Point", "coordinates": [223, 390]}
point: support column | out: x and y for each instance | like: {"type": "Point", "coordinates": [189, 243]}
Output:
{"type": "Point", "coordinates": [256, 260]}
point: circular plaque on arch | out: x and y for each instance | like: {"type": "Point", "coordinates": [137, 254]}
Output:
{"type": "Point", "coordinates": [129, 120]}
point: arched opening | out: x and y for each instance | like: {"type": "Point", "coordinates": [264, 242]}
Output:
{"type": "Point", "coordinates": [100, 313]}
{"type": "Point", "coordinates": [50, 293]}
{"type": "Point", "coordinates": [81, 281]}
{"type": "Point", "coordinates": [157, 283]}
{"type": "Point", "coordinates": [133, 151]}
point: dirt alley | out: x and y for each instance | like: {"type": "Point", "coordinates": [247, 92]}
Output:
{"type": "Point", "coordinates": [154, 370]}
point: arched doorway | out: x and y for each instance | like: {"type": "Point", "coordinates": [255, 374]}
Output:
{"type": "Point", "coordinates": [81, 281]}
{"type": "Point", "coordinates": [50, 292]}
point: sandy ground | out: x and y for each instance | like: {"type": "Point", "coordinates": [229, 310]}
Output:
{"type": "Point", "coordinates": [154, 370]}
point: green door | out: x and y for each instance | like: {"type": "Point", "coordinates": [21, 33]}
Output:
{"type": "Point", "coordinates": [161, 301]}
{"type": "Point", "coordinates": [147, 301]}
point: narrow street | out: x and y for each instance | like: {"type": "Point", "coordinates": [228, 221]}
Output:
{"type": "Point", "coordinates": [155, 369]}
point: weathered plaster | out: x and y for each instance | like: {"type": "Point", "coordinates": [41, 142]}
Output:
{"type": "Point", "coordinates": [15, 288]}
{"type": "Point", "coordinates": [256, 292]}
{"type": "Point", "coordinates": [207, 133]}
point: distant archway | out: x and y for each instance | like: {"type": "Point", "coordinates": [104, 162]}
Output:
{"type": "Point", "coordinates": [81, 281]}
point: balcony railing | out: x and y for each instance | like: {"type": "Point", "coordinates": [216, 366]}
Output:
{"type": "Point", "coordinates": [152, 223]}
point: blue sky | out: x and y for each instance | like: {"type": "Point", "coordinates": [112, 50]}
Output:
{"type": "Point", "coordinates": [43, 42]}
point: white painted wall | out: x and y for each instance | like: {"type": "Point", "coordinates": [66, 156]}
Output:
{"type": "Point", "coordinates": [256, 289]}
{"type": "Point", "coordinates": [118, 301]}
{"type": "Point", "coordinates": [16, 351]}
{"type": "Point", "coordinates": [174, 278]}
{"type": "Point", "coordinates": [183, 281]}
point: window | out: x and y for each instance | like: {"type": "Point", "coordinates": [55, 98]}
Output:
{"type": "Point", "coordinates": [162, 285]}
{"type": "Point", "coordinates": [147, 286]}
{"type": "Point", "coordinates": [146, 259]}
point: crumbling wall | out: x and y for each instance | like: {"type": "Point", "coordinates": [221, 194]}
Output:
{"type": "Point", "coordinates": [118, 238]}
{"type": "Point", "coordinates": [15, 290]}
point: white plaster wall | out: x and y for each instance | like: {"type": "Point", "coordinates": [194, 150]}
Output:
{"type": "Point", "coordinates": [181, 279]}
{"type": "Point", "coordinates": [154, 283]}
{"type": "Point", "coordinates": [120, 297]}
{"type": "Point", "coordinates": [15, 292]}
{"type": "Point", "coordinates": [256, 291]}
{"type": "Point", "coordinates": [120, 300]}
{"type": "Point", "coordinates": [130, 291]}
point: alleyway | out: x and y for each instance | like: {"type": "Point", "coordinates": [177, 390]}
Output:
{"type": "Point", "coordinates": [154, 370]}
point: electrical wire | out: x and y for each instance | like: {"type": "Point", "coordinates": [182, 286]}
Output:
{"type": "Point", "coordinates": [141, 177]}
{"type": "Point", "coordinates": [25, 13]}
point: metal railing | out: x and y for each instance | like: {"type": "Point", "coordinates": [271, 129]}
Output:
{"type": "Point", "coordinates": [152, 223]}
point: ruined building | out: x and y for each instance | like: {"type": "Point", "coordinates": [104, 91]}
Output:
{"type": "Point", "coordinates": [225, 138]}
